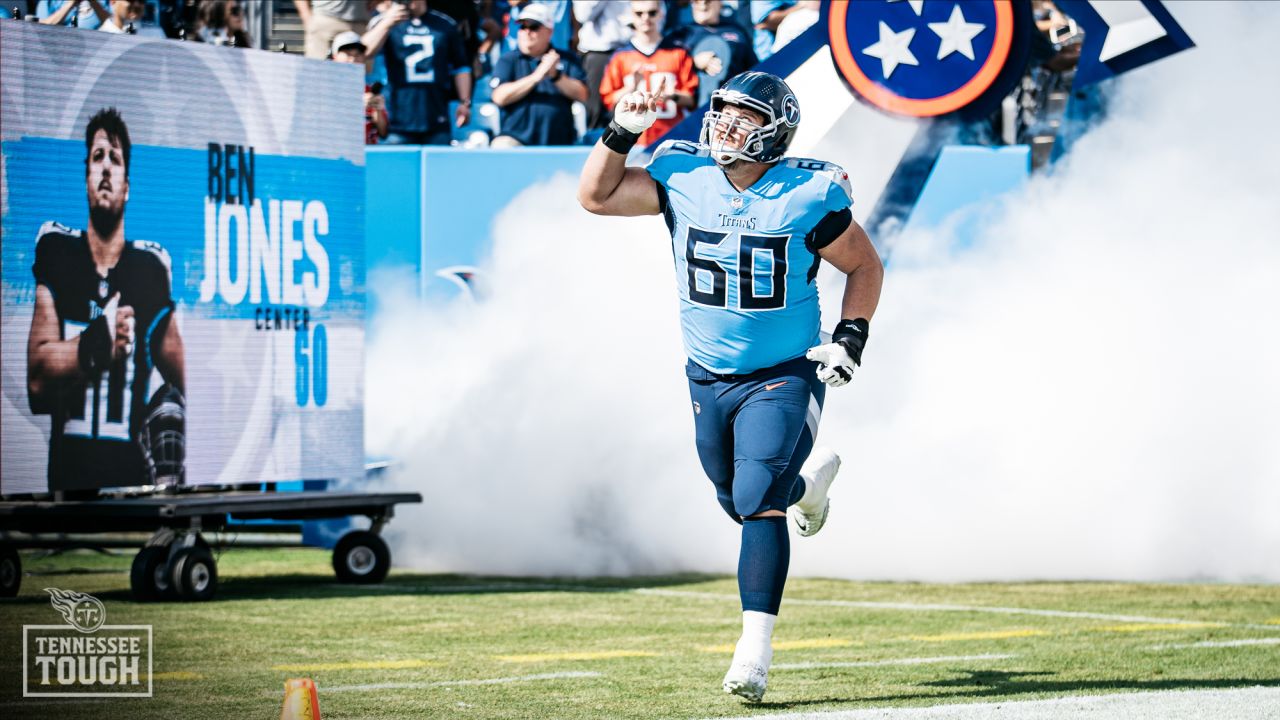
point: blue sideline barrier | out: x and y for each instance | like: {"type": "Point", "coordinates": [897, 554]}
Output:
{"type": "Point", "coordinates": [965, 181]}
{"type": "Point", "coordinates": [431, 208]}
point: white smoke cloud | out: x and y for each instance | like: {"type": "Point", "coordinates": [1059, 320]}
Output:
{"type": "Point", "coordinates": [1090, 392]}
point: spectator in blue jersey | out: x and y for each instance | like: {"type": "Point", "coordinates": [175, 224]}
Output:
{"type": "Point", "coordinates": [427, 66]}
{"type": "Point", "coordinates": [719, 48]}
{"type": "Point", "coordinates": [536, 86]}
{"type": "Point", "coordinates": [87, 14]}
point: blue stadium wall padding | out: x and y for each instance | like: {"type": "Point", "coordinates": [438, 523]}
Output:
{"type": "Point", "coordinates": [431, 208]}
{"type": "Point", "coordinates": [966, 178]}
{"type": "Point", "coordinates": [393, 218]}
{"type": "Point", "coordinates": [463, 191]}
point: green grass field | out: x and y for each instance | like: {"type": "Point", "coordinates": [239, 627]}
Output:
{"type": "Point", "coordinates": [483, 647]}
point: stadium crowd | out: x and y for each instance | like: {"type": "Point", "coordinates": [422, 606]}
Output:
{"type": "Point", "coordinates": [512, 73]}
{"type": "Point", "coordinates": [479, 72]}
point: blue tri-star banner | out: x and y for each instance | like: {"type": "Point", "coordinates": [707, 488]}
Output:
{"type": "Point", "coordinates": [930, 58]}
{"type": "Point", "coordinates": [183, 263]}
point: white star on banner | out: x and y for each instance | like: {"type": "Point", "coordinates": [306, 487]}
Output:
{"type": "Point", "coordinates": [917, 5]}
{"type": "Point", "coordinates": [957, 35]}
{"type": "Point", "coordinates": [893, 49]}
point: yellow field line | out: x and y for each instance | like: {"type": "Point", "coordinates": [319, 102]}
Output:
{"type": "Point", "coordinates": [789, 645]}
{"type": "Point", "coordinates": [599, 655]}
{"type": "Point", "coordinates": [988, 635]}
{"type": "Point", "coordinates": [1272, 621]}
{"type": "Point", "coordinates": [367, 665]}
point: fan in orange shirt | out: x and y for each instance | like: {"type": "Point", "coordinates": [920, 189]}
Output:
{"type": "Point", "coordinates": [649, 63]}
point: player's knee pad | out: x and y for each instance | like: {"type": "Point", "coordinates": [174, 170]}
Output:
{"type": "Point", "coordinates": [753, 488]}
{"type": "Point", "coordinates": [726, 503]}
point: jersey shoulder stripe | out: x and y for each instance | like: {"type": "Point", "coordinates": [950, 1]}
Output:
{"type": "Point", "coordinates": [676, 156]}
{"type": "Point", "coordinates": [828, 171]}
{"type": "Point", "coordinates": [681, 148]}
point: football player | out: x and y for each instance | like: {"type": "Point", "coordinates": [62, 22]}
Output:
{"type": "Point", "coordinates": [103, 321]}
{"type": "Point", "coordinates": [748, 230]}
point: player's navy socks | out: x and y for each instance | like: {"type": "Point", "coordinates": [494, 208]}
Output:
{"type": "Point", "coordinates": [762, 563]}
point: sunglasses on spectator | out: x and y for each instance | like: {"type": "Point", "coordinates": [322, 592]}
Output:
{"type": "Point", "coordinates": [532, 26]}
{"type": "Point", "coordinates": [234, 10]}
{"type": "Point", "coordinates": [645, 13]}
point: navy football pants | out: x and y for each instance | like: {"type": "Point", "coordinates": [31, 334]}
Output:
{"type": "Point", "coordinates": [755, 431]}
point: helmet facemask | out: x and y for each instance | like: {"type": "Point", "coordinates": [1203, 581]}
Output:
{"type": "Point", "coordinates": [720, 132]}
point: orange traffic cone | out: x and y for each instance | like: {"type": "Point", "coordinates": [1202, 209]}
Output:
{"type": "Point", "coordinates": [300, 702]}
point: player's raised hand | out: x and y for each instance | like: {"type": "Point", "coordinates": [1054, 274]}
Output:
{"type": "Point", "coordinates": [663, 92]}
{"type": "Point", "coordinates": [636, 111]}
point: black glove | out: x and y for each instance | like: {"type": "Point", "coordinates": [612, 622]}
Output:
{"type": "Point", "coordinates": [94, 351]}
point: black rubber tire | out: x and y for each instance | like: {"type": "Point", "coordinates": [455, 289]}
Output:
{"type": "Point", "coordinates": [10, 571]}
{"type": "Point", "coordinates": [149, 575]}
{"type": "Point", "coordinates": [361, 557]}
{"type": "Point", "coordinates": [194, 574]}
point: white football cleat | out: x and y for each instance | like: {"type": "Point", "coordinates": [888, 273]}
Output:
{"type": "Point", "coordinates": [747, 680]}
{"type": "Point", "coordinates": [809, 514]}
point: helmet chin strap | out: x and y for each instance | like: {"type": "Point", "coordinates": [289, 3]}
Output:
{"type": "Point", "coordinates": [726, 159]}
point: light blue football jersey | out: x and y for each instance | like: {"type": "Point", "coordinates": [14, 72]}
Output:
{"type": "Point", "coordinates": [748, 297]}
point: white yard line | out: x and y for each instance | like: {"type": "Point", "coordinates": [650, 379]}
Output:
{"type": "Point", "coordinates": [1218, 644]}
{"type": "Point", "coordinates": [1255, 703]}
{"type": "Point", "coordinates": [456, 683]}
{"type": "Point", "coordinates": [880, 663]}
{"type": "Point", "coordinates": [938, 607]}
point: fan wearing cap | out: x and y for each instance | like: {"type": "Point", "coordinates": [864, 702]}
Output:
{"type": "Point", "coordinates": [347, 48]}
{"type": "Point", "coordinates": [536, 85]}
{"type": "Point", "coordinates": [427, 66]}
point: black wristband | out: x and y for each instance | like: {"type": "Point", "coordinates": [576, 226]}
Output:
{"type": "Point", "coordinates": [93, 352]}
{"type": "Point", "coordinates": [852, 334]}
{"type": "Point", "coordinates": [618, 138]}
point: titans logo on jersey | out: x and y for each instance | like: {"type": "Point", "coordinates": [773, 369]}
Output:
{"type": "Point", "coordinates": [746, 261]}
{"type": "Point", "coordinates": [96, 421]}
